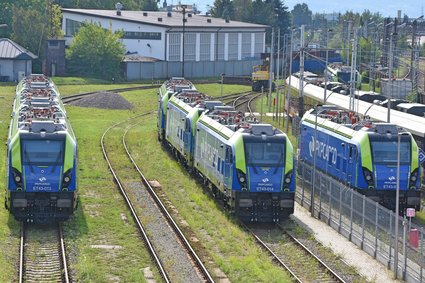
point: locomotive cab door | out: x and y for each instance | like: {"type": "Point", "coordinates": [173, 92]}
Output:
{"type": "Point", "coordinates": [186, 136]}
{"type": "Point", "coordinates": [351, 163]}
{"type": "Point", "coordinates": [228, 164]}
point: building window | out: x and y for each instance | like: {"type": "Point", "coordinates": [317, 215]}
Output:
{"type": "Point", "coordinates": [233, 47]}
{"type": "Point", "coordinates": [190, 46]}
{"type": "Point", "coordinates": [53, 44]}
{"type": "Point", "coordinates": [220, 46]}
{"type": "Point", "coordinates": [174, 47]}
{"type": "Point", "coordinates": [142, 35]}
{"type": "Point", "coordinates": [205, 47]}
{"type": "Point", "coordinates": [258, 47]}
{"type": "Point", "coordinates": [72, 27]}
{"type": "Point", "coordinates": [246, 45]}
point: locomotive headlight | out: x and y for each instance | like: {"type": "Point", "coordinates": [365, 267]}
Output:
{"type": "Point", "coordinates": [413, 178]}
{"type": "Point", "coordinates": [368, 177]}
{"type": "Point", "coordinates": [288, 177]}
{"type": "Point", "coordinates": [17, 179]}
{"type": "Point", "coordinates": [67, 178]}
{"type": "Point", "coordinates": [241, 179]}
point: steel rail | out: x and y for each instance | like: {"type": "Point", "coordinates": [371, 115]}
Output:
{"type": "Point", "coordinates": [166, 214]}
{"type": "Point", "coordinates": [129, 203]}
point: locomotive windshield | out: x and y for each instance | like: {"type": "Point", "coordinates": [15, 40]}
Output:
{"type": "Point", "coordinates": [265, 153]}
{"type": "Point", "coordinates": [387, 152]}
{"type": "Point", "coordinates": [42, 152]}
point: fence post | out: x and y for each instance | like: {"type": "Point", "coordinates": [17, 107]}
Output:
{"type": "Point", "coordinates": [376, 229]}
{"type": "Point", "coordinates": [302, 184]}
{"type": "Point", "coordinates": [404, 248]}
{"type": "Point", "coordinates": [340, 211]}
{"type": "Point", "coordinates": [390, 232]}
{"type": "Point", "coordinates": [363, 217]}
{"type": "Point", "coordinates": [351, 216]}
{"type": "Point", "coordinates": [330, 203]}
{"type": "Point", "coordinates": [421, 258]}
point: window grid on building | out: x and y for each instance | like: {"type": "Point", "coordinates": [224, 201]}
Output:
{"type": "Point", "coordinates": [246, 45]}
{"type": "Point", "coordinates": [72, 27]}
{"type": "Point", "coordinates": [190, 46]}
{"type": "Point", "coordinates": [233, 46]}
{"type": "Point", "coordinates": [258, 47]}
{"type": "Point", "coordinates": [174, 47]}
{"type": "Point", "coordinates": [220, 46]}
{"type": "Point", "coordinates": [205, 47]}
{"type": "Point", "coordinates": [142, 35]}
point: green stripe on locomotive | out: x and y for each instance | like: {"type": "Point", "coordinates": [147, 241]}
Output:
{"type": "Point", "coordinates": [239, 152]}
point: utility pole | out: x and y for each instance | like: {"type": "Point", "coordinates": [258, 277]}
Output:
{"type": "Point", "coordinates": [301, 78]}
{"type": "Point", "coordinates": [326, 66]}
{"type": "Point", "coordinates": [271, 72]}
{"type": "Point", "coordinates": [390, 79]}
{"type": "Point", "coordinates": [349, 38]}
{"type": "Point", "coordinates": [288, 89]}
{"type": "Point", "coordinates": [284, 72]}
{"type": "Point", "coordinates": [184, 25]}
{"type": "Point", "coordinates": [353, 71]}
{"type": "Point", "coordinates": [277, 75]}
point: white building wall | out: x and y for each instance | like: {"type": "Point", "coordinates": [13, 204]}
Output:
{"type": "Point", "coordinates": [239, 46]}
{"type": "Point", "coordinates": [161, 49]}
{"type": "Point", "coordinates": [212, 47]}
{"type": "Point", "coordinates": [226, 46]}
{"type": "Point", "coordinates": [156, 49]}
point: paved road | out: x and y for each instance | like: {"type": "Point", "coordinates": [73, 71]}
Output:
{"type": "Point", "coordinates": [366, 265]}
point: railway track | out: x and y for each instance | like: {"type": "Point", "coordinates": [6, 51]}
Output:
{"type": "Point", "coordinates": [192, 269]}
{"type": "Point", "coordinates": [42, 254]}
{"type": "Point", "coordinates": [75, 97]}
{"type": "Point", "coordinates": [287, 251]}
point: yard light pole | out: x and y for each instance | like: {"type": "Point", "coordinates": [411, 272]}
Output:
{"type": "Point", "coordinates": [397, 199]}
{"type": "Point", "coordinates": [222, 78]}
{"type": "Point", "coordinates": [318, 109]}
{"type": "Point", "coordinates": [184, 25]}
{"type": "Point", "coordinates": [326, 65]}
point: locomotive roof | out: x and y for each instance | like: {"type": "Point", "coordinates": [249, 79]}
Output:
{"type": "Point", "coordinates": [348, 123]}
{"type": "Point", "coordinates": [38, 108]}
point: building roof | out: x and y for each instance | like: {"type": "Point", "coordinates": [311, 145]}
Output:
{"type": "Point", "coordinates": [12, 50]}
{"type": "Point", "coordinates": [139, 58]}
{"type": "Point", "coordinates": [163, 19]}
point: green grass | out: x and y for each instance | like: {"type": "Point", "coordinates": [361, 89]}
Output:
{"type": "Point", "coordinates": [9, 228]}
{"type": "Point", "coordinates": [102, 217]}
{"type": "Point", "coordinates": [220, 237]}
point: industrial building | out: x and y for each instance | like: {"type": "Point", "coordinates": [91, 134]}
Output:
{"type": "Point", "coordinates": [156, 41]}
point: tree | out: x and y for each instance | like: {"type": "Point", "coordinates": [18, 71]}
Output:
{"type": "Point", "coordinates": [223, 9]}
{"type": "Point", "coordinates": [301, 14]}
{"type": "Point", "coordinates": [95, 51]}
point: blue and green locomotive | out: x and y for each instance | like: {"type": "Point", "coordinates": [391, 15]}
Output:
{"type": "Point", "coordinates": [364, 155]}
{"type": "Point", "coordinates": [41, 154]}
{"type": "Point", "coordinates": [250, 166]}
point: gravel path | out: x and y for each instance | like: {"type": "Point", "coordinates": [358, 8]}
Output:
{"type": "Point", "coordinates": [103, 100]}
{"type": "Point", "coordinates": [349, 252]}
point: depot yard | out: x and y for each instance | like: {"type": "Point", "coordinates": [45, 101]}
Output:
{"type": "Point", "coordinates": [101, 238]}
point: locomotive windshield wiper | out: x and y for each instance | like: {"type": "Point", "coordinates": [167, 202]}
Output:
{"type": "Point", "coordinates": [28, 160]}
{"type": "Point", "coordinates": [56, 162]}
{"type": "Point", "coordinates": [277, 164]}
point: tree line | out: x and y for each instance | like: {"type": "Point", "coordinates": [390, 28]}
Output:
{"type": "Point", "coordinates": [31, 22]}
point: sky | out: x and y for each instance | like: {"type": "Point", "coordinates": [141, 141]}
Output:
{"type": "Point", "coordinates": [387, 8]}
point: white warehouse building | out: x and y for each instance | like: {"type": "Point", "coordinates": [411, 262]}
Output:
{"type": "Point", "coordinates": [155, 45]}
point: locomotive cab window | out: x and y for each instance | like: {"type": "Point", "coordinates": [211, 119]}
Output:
{"type": "Point", "coordinates": [387, 151]}
{"type": "Point", "coordinates": [265, 153]}
{"type": "Point", "coordinates": [42, 152]}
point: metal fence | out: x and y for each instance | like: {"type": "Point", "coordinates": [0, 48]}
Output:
{"type": "Point", "coordinates": [192, 69]}
{"type": "Point", "coordinates": [364, 222]}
